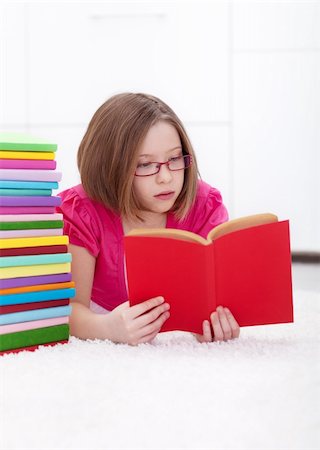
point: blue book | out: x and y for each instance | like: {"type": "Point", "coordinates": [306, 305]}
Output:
{"type": "Point", "coordinates": [32, 260]}
{"type": "Point", "coordinates": [38, 296]}
{"type": "Point", "coordinates": [35, 314]}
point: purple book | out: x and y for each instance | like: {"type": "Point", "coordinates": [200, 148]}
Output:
{"type": "Point", "coordinates": [30, 201]}
{"type": "Point", "coordinates": [33, 281]}
{"type": "Point", "coordinates": [30, 175]}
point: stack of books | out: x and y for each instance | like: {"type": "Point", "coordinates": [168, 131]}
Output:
{"type": "Point", "coordinates": [35, 266]}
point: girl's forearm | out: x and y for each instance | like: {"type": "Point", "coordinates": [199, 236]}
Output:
{"type": "Point", "coordinates": [85, 324]}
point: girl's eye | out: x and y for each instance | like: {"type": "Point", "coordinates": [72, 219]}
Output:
{"type": "Point", "coordinates": [175, 158]}
{"type": "Point", "coordinates": [144, 165]}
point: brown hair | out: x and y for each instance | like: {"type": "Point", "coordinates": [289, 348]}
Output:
{"type": "Point", "coordinates": [108, 152]}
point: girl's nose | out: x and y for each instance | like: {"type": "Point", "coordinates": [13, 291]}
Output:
{"type": "Point", "coordinates": [164, 174]}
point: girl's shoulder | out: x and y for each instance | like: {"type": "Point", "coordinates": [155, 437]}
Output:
{"type": "Point", "coordinates": [74, 194]}
{"type": "Point", "coordinates": [77, 205]}
{"type": "Point", "coordinates": [87, 222]}
{"type": "Point", "coordinates": [77, 199]}
{"type": "Point", "coordinates": [207, 193]}
{"type": "Point", "coordinates": [207, 211]}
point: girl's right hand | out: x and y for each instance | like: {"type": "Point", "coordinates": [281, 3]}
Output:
{"type": "Point", "coordinates": [139, 323]}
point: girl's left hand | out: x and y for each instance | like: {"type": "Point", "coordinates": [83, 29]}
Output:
{"type": "Point", "coordinates": [223, 325]}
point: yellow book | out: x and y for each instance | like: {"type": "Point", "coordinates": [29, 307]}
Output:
{"type": "Point", "coordinates": [34, 241]}
{"type": "Point", "coordinates": [26, 155]}
{"type": "Point", "coordinates": [31, 271]}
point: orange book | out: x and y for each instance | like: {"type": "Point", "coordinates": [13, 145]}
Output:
{"type": "Point", "coordinates": [38, 287]}
{"type": "Point", "coordinates": [244, 264]}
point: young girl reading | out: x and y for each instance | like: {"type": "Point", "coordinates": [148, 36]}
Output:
{"type": "Point", "coordinates": [138, 170]}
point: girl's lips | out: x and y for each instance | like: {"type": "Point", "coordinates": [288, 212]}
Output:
{"type": "Point", "coordinates": [165, 196]}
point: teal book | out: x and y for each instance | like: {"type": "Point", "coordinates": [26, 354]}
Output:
{"type": "Point", "coordinates": [25, 192]}
{"type": "Point", "coordinates": [37, 296]}
{"type": "Point", "coordinates": [13, 184]}
{"type": "Point", "coordinates": [25, 142]}
{"type": "Point", "coordinates": [36, 225]}
{"type": "Point", "coordinates": [34, 337]}
{"type": "Point", "coordinates": [32, 260]}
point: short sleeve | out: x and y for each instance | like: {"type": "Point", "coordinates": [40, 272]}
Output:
{"type": "Point", "coordinates": [208, 211]}
{"type": "Point", "coordinates": [79, 221]}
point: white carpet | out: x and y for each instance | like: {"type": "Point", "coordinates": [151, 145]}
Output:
{"type": "Point", "coordinates": [258, 392]}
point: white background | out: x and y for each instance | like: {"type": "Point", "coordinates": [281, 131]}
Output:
{"type": "Point", "coordinates": [244, 76]}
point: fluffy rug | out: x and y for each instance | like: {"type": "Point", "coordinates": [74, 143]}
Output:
{"type": "Point", "coordinates": [258, 392]}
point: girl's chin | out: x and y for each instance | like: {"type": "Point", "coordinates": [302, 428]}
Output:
{"type": "Point", "coordinates": [162, 209]}
{"type": "Point", "coordinates": [156, 211]}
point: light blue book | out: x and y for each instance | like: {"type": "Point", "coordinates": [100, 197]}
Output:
{"type": "Point", "coordinates": [12, 184]}
{"type": "Point", "coordinates": [25, 192]}
{"type": "Point", "coordinates": [33, 260]}
{"type": "Point", "coordinates": [35, 314]}
{"type": "Point", "coordinates": [37, 296]}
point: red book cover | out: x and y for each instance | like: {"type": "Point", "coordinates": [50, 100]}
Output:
{"type": "Point", "coordinates": [247, 270]}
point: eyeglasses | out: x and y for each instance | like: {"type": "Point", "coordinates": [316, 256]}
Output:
{"type": "Point", "coordinates": [151, 168]}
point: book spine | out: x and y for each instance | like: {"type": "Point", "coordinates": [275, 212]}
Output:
{"type": "Point", "coordinates": [39, 314]}
{"type": "Point", "coordinates": [27, 297]}
{"type": "Point", "coordinates": [34, 337]}
{"type": "Point", "coordinates": [32, 348]}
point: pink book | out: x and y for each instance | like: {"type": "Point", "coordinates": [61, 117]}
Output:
{"type": "Point", "coordinates": [27, 209]}
{"type": "Point", "coordinates": [8, 234]}
{"type": "Point", "coordinates": [14, 327]}
{"type": "Point", "coordinates": [36, 164]}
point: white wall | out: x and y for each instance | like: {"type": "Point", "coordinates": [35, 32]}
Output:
{"type": "Point", "coordinates": [242, 75]}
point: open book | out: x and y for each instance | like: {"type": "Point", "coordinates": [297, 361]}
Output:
{"type": "Point", "coordinates": [244, 264]}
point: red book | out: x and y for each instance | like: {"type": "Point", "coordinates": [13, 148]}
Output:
{"type": "Point", "coordinates": [33, 250]}
{"type": "Point", "coordinates": [32, 348]}
{"type": "Point", "coordinates": [7, 309]}
{"type": "Point", "coordinates": [244, 264]}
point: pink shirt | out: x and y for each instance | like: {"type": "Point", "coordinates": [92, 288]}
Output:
{"type": "Point", "coordinates": [91, 225]}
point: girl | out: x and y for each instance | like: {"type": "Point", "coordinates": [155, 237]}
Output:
{"type": "Point", "coordinates": [138, 169]}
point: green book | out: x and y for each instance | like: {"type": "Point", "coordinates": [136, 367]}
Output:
{"type": "Point", "coordinates": [25, 142]}
{"type": "Point", "coordinates": [36, 336]}
{"type": "Point", "coordinates": [34, 225]}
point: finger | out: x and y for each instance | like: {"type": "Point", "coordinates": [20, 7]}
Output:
{"type": "Point", "coordinates": [224, 322]}
{"type": "Point", "coordinates": [235, 329]}
{"type": "Point", "coordinates": [141, 308]}
{"type": "Point", "coordinates": [156, 325]}
{"type": "Point", "coordinates": [148, 337]}
{"type": "Point", "coordinates": [216, 326]}
{"type": "Point", "coordinates": [151, 316]}
{"type": "Point", "coordinates": [199, 337]}
{"type": "Point", "coordinates": [207, 335]}
{"type": "Point", "coordinates": [206, 330]}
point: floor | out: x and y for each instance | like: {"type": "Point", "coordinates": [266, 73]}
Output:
{"type": "Point", "coordinates": [306, 276]}
{"type": "Point", "coordinates": [257, 392]}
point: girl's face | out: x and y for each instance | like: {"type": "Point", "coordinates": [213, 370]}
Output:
{"type": "Point", "coordinates": [158, 193]}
